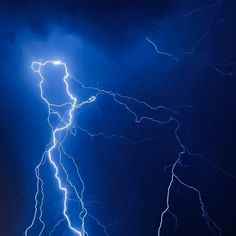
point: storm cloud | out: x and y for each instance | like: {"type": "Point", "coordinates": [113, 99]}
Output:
{"type": "Point", "coordinates": [101, 21]}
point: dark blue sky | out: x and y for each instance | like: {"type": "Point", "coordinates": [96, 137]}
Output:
{"type": "Point", "coordinates": [104, 44]}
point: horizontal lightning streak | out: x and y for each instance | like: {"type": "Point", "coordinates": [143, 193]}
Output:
{"type": "Point", "coordinates": [174, 176]}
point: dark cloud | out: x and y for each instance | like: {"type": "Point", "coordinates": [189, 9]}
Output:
{"type": "Point", "coordinates": [111, 20]}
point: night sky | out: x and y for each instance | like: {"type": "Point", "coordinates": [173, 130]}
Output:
{"type": "Point", "coordinates": [126, 171]}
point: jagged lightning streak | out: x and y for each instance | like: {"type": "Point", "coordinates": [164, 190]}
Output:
{"type": "Point", "coordinates": [162, 52]}
{"type": "Point", "coordinates": [207, 7]}
{"type": "Point", "coordinates": [184, 150]}
{"type": "Point", "coordinates": [57, 164]}
{"type": "Point", "coordinates": [62, 127]}
{"type": "Point", "coordinates": [174, 177]}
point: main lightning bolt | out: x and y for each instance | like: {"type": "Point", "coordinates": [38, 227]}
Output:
{"type": "Point", "coordinates": [64, 124]}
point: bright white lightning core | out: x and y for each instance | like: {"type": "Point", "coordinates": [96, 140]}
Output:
{"type": "Point", "coordinates": [65, 121]}
{"type": "Point", "coordinates": [54, 151]}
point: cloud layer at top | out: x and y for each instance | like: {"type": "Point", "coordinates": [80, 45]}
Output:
{"type": "Point", "coordinates": [102, 20]}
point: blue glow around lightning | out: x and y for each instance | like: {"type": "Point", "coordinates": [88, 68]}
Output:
{"type": "Point", "coordinates": [65, 125]}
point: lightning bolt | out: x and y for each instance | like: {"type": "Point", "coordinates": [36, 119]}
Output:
{"type": "Point", "coordinates": [56, 144]}
{"type": "Point", "coordinates": [118, 98]}
{"type": "Point", "coordinates": [178, 163]}
{"type": "Point", "coordinates": [201, 9]}
{"type": "Point", "coordinates": [56, 161]}
{"type": "Point", "coordinates": [162, 52]}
